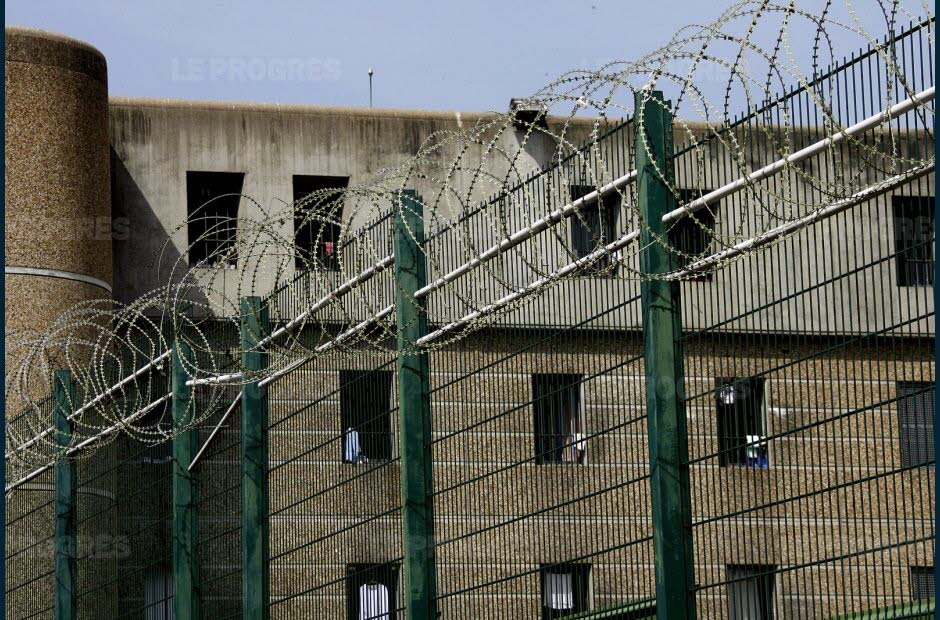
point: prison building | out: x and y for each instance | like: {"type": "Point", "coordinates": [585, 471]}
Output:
{"type": "Point", "coordinates": [807, 385]}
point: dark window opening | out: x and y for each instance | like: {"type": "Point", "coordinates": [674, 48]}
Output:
{"type": "Point", "coordinates": [691, 236]}
{"type": "Point", "coordinates": [371, 591]}
{"type": "Point", "coordinates": [751, 592]}
{"type": "Point", "coordinates": [740, 404]}
{"type": "Point", "coordinates": [594, 226]}
{"type": "Point", "coordinates": [916, 410]}
{"type": "Point", "coordinates": [565, 589]}
{"type": "Point", "coordinates": [317, 223]}
{"type": "Point", "coordinates": [559, 420]}
{"type": "Point", "coordinates": [913, 239]}
{"type": "Point", "coordinates": [158, 592]}
{"type": "Point", "coordinates": [922, 582]}
{"type": "Point", "coordinates": [212, 200]}
{"type": "Point", "coordinates": [365, 401]}
{"type": "Point", "coordinates": [527, 114]}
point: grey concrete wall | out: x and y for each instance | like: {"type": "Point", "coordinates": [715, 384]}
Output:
{"type": "Point", "coordinates": [154, 143]}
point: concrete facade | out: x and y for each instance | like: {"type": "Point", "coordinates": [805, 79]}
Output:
{"type": "Point", "coordinates": [829, 492]}
{"type": "Point", "coordinates": [155, 142]}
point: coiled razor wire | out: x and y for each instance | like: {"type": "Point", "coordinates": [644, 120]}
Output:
{"type": "Point", "coordinates": [119, 355]}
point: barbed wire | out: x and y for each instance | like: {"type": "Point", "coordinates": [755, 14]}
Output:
{"type": "Point", "coordinates": [501, 223]}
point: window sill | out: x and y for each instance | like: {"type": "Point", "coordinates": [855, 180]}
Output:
{"type": "Point", "coordinates": [367, 461]}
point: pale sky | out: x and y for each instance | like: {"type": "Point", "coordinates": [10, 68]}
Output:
{"type": "Point", "coordinates": [436, 55]}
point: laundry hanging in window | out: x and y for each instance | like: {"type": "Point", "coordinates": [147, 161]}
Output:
{"type": "Point", "coordinates": [373, 602]}
{"type": "Point", "coordinates": [351, 446]}
{"type": "Point", "coordinates": [559, 590]}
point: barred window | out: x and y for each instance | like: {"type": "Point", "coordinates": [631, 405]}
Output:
{"type": "Point", "coordinates": [365, 404]}
{"type": "Point", "coordinates": [922, 582]}
{"type": "Point", "coordinates": [158, 592]}
{"type": "Point", "coordinates": [317, 224]}
{"type": "Point", "coordinates": [559, 421]}
{"type": "Point", "coordinates": [565, 589]}
{"type": "Point", "coordinates": [212, 200]}
{"type": "Point", "coordinates": [372, 591]}
{"type": "Point", "coordinates": [751, 592]}
{"type": "Point", "coordinates": [741, 428]}
{"type": "Point", "coordinates": [913, 239]}
{"type": "Point", "coordinates": [594, 226]}
{"type": "Point", "coordinates": [916, 411]}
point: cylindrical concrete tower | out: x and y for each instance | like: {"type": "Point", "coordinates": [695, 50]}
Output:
{"type": "Point", "coordinates": [58, 203]}
{"type": "Point", "coordinates": [58, 253]}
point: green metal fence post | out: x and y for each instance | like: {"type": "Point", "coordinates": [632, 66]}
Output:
{"type": "Point", "coordinates": [185, 565]}
{"type": "Point", "coordinates": [254, 457]}
{"type": "Point", "coordinates": [414, 411]}
{"type": "Point", "coordinates": [665, 393]}
{"type": "Point", "coordinates": [66, 531]}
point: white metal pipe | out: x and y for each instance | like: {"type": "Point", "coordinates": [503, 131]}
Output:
{"type": "Point", "coordinates": [526, 233]}
{"type": "Point", "coordinates": [336, 293]}
{"type": "Point", "coordinates": [274, 377]}
{"type": "Point", "coordinates": [533, 287]}
{"type": "Point", "coordinates": [380, 315]}
{"type": "Point", "coordinates": [106, 394]}
{"type": "Point", "coordinates": [232, 377]}
{"type": "Point", "coordinates": [871, 122]}
{"type": "Point", "coordinates": [72, 450]}
{"type": "Point", "coordinates": [215, 431]}
{"type": "Point", "coordinates": [238, 376]}
{"type": "Point", "coordinates": [280, 373]}
{"type": "Point", "coordinates": [333, 295]}
{"type": "Point", "coordinates": [766, 237]}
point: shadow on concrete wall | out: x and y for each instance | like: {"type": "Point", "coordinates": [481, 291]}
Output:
{"type": "Point", "coordinates": [144, 259]}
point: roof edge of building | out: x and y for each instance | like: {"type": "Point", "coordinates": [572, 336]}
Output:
{"type": "Point", "coordinates": [326, 110]}
{"type": "Point", "coordinates": [296, 108]}
{"type": "Point", "coordinates": [51, 36]}
{"type": "Point", "coordinates": [34, 46]}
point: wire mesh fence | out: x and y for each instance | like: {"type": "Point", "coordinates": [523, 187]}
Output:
{"type": "Point", "coordinates": [541, 475]}
{"type": "Point", "coordinates": [30, 542]}
{"type": "Point", "coordinates": [806, 396]}
{"type": "Point", "coordinates": [808, 367]}
{"type": "Point", "coordinates": [335, 510]}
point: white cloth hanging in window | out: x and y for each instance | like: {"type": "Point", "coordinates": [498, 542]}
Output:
{"type": "Point", "coordinates": [559, 590]}
{"type": "Point", "coordinates": [352, 446]}
{"type": "Point", "coordinates": [753, 446]}
{"type": "Point", "coordinates": [580, 445]}
{"type": "Point", "coordinates": [373, 602]}
{"type": "Point", "coordinates": [158, 593]}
